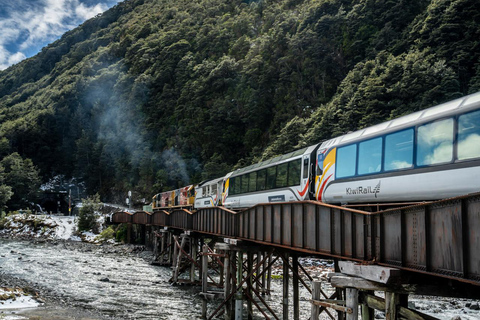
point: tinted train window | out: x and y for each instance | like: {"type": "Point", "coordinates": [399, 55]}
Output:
{"type": "Point", "coordinates": [244, 184]}
{"type": "Point", "coordinates": [238, 185]}
{"type": "Point", "coordinates": [399, 150]}
{"type": "Point", "coordinates": [252, 184]}
{"type": "Point", "coordinates": [346, 161]}
{"type": "Point", "coordinates": [261, 179]}
{"type": "Point", "coordinates": [282, 172]}
{"type": "Point", "coordinates": [370, 156]}
{"type": "Point", "coordinates": [435, 142]}
{"type": "Point", "coordinates": [294, 172]}
{"type": "Point", "coordinates": [305, 168]}
{"type": "Point", "coordinates": [271, 177]}
{"type": "Point", "coordinates": [468, 136]}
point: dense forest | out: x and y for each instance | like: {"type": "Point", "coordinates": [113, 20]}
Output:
{"type": "Point", "coordinates": [155, 94]}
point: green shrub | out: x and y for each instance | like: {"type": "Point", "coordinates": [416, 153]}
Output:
{"type": "Point", "coordinates": [107, 234]}
{"type": "Point", "coordinates": [87, 218]}
{"type": "Point", "coordinates": [121, 233]}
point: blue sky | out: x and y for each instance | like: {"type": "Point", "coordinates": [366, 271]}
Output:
{"type": "Point", "coordinates": [26, 26]}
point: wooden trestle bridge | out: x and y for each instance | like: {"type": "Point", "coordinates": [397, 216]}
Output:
{"type": "Point", "coordinates": [428, 249]}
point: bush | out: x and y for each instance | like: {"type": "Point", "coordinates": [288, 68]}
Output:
{"type": "Point", "coordinates": [121, 234]}
{"type": "Point", "coordinates": [107, 234]}
{"type": "Point", "coordinates": [87, 217]}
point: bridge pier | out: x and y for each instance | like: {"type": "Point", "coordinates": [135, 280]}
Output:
{"type": "Point", "coordinates": [244, 267]}
{"type": "Point", "coordinates": [360, 283]}
{"type": "Point", "coordinates": [162, 249]}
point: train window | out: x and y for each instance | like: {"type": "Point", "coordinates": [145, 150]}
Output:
{"type": "Point", "coordinates": [399, 150]}
{"type": "Point", "coordinates": [305, 168]}
{"type": "Point", "coordinates": [468, 136]}
{"type": "Point", "coordinates": [346, 161]}
{"type": "Point", "coordinates": [214, 189]}
{"type": "Point", "coordinates": [244, 184]}
{"type": "Point", "coordinates": [252, 184]}
{"type": "Point", "coordinates": [261, 180]}
{"type": "Point", "coordinates": [204, 192]}
{"type": "Point", "coordinates": [370, 156]}
{"type": "Point", "coordinates": [238, 185]}
{"type": "Point", "coordinates": [294, 172]}
{"type": "Point", "coordinates": [282, 173]}
{"type": "Point", "coordinates": [271, 177]}
{"type": "Point", "coordinates": [435, 142]}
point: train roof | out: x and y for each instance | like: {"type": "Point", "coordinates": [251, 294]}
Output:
{"type": "Point", "coordinates": [276, 160]}
{"type": "Point", "coordinates": [445, 109]}
{"type": "Point", "coordinates": [211, 181]}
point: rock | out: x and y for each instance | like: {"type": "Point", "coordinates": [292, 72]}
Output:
{"type": "Point", "coordinates": [475, 306]}
{"type": "Point", "coordinates": [468, 304]}
{"type": "Point", "coordinates": [457, 318]}
{"type": "Point", "coordinates": [380, 315]}
{"type": "Point", "coordinates": [104, 280]}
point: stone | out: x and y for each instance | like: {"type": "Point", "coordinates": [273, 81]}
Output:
{"type": "Point", "coordinates": [475, 306]}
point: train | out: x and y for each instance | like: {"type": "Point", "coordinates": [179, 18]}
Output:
{"type": "Point", "coordinates": [426, 155]}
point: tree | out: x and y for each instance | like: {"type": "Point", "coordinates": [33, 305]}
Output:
{"type": "Point", "coordinates": [5, 191]}
{"type": "Point", "coordinates": [87, 220]}
{"type": "Point", "coordinates": [23, 179]}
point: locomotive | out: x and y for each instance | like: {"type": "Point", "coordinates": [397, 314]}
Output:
{"type": "Point", "coordinates": [427, 155]}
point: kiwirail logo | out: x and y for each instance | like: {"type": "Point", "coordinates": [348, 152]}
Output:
{"type": "Point", "coordinates": [364, 190]}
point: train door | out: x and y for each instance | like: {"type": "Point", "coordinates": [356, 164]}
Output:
{"type": "Point", "coordinates": [305, 175]}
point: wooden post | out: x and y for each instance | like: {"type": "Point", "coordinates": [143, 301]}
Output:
{"type": "Point", "coordinates": [264, 276]}
{"type": "Point", "coordinates": [367, 312]}
{"type": "Point", "coordinates": [143, 231]}
{"type": "Point", "coordinates": [162, 247]}
{"type": "Point", "coordinates": [129, 233]}
{"type": "Point", "coordinates": [175, 252]}
{"type": "Point", "coordinates": [227, 288]}
{"type": "Point", "coordinates": [238, 295]}
{"type": "Point", "coordinates": [285, 286]}
{"type": "Point", "coordinates": [392, 300]}
{"type": "Point", "coordinates": [259, 270]}
{"type": "Point", "coordinates": [170, 250]}
{"type": "Point", "coordinates": [193, 253]}
{"type": "Point", "coordinates": [249, 285]}
{"type": "Point", "coordinates": [316, 295]}
{"type": "Point", "coordinates": [296, 294]}
{"type": "Point", "coordinates": [269, 275]}
{"type": "Point", "coordinates": [204, 280]}
{"type": "Point", "coordinates": [352, 302]}
{"type": "Point", "coordinates": [233, 269]}
{"type": "Point", "coordinates": [340, 295]}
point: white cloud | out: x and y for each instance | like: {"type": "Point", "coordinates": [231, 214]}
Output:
{"type": "Point", "coordinates": [89, 12]}
{"type": "Point", "coordinates": [36, 23]}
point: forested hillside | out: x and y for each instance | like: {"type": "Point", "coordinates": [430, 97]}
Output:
{"type": "Point", "coordinates": [154, 94]}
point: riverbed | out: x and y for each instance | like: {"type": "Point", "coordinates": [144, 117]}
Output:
{"type": "Point", "coordinates": [84, 281]}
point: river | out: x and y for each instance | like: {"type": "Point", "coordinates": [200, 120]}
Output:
{"type": "Point", "coordinates": [111, 282]}
{"type": "Point", "coordinates": [117, 286]}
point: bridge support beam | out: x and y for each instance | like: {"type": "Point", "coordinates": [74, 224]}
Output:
{"type": "Point", "coordinates": [244, 267]}
{"type": "Point", "coordinates": [360, 282]}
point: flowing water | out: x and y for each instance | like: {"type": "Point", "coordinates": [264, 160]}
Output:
{"type": "Point", "coordinates": [117, 285]}
{"type": "Point", "coordinates": [124, 287]}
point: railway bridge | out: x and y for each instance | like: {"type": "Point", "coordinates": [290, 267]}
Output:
{"type": "Point", "coordinates": [428, 249]}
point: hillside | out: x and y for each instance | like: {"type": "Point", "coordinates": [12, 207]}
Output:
{"type": "Point", "coordinates": [154, 94]}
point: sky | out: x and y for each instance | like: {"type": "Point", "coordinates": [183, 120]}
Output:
{"type": "Point", "coordinates": [26, 26]}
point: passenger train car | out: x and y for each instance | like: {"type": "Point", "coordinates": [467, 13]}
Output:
{"type": "Point", "coordinates": [209, 193]}
{"type": "Point", "coordinates": [427, 155]}
{"type": "Point", "coordinates": [284, 178]}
